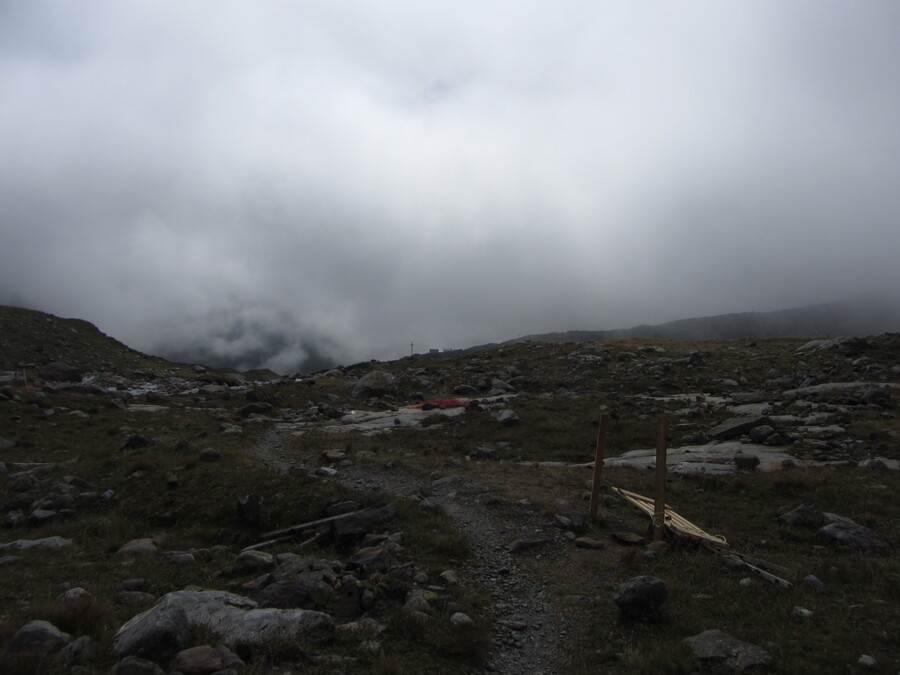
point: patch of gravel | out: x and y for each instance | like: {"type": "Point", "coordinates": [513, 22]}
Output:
{"type": "Point", "coordinates": [529, 633]}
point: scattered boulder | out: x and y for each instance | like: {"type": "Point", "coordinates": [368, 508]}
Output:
{"type": "Point", "coordinates": [370, 559]}
{"type": "Point", "coordinates": [203, 660]}
{"type": "Point", "coordinates": [640, 597]}
{"type": "Point", "coordinates": [136, 548]}
{"type": "Point", "coordinates": [718, 646]}
{"type": "Point", "coordinates": [256, 408]}
{"type": "Point", "coordinates": [251, 562]}
{"type": "Point", "coordinates": [21, 482]}
{"type": "Point", "coordinates": [746, 462]}
{"type": "Point", "coordinates": [734, 428]}
{"type": "Point", "coordinates": [136, 442]}
{"type": "Point", "coordinates": [805, 515]}
{"type": "Point", "coordinates": [851, 535]}
{"type": "Point", "coordinates": [59, 371]}
{"type": "Point", "coordinates": [506, 417]}
{"type": "Point", "coordinates": [376, 383]}
{"type": "Point", "coordinates": [40, 637]}
{"type": "Point", "coordinates": [302, 592]}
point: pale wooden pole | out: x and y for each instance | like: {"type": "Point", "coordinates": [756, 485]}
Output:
{"type": "Point", "coordinates": [598, 465]}
{"type": "Point", "coordinates": [659, 507]}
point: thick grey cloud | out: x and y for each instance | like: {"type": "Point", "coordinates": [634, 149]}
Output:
{"type": "Point", "coordinates": [246, 177]}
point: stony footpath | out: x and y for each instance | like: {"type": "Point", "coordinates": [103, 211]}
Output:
{"type": "Point", "coordinates": [528, 633]}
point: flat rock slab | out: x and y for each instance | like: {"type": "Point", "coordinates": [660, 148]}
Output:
{"type": "Point", "coordinates": [47, 544]}
{"type": "Point", "coordinates": [711, 458]}
{"type": "Point", "coordinates": [716, 645]}
{"type": "Point", "coordinates": [837, 386]}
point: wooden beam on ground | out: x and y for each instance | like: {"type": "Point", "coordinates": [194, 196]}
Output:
{"type": "Point", "coordinates": [303, 527]}
{"type": "Point", "coordinates": [598, 465]}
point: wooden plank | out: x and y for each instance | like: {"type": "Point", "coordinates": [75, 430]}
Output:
{"type": "Point", "coordinates": [598, 465]}
{"type": "Point", "coordinates": [678, 524]}
{"type": "Point", "coordinates": [303, 527]}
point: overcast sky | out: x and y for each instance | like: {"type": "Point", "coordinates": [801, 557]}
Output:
{"type": "Point", "coordinates": [362, 175]}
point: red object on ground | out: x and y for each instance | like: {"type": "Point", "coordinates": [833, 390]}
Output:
{"type": "Point", "coordinates": [442, 403]}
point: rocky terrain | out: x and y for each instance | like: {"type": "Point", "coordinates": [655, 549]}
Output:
{"type": "Point", "coordinates": [429, 514]}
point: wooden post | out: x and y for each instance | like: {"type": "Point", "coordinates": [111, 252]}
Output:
{"type": "Point", "coordinates": [659, 506]}
{"type": "Point", "coordinates": [598, 465]}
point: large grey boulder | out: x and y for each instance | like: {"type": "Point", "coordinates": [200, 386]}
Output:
{"type": "Point", "coordinates": [156, 635]}
{"type": "Point", "coordinates": [375, 383]}
{"type": "Point", "coordinates": [716, 645]}
{"type": "Point", "coordinates": [239, 620]}
{"type": "Point", "coordinates": [40, 637]}
{"type": "Point", "coordinates": [640, 597]}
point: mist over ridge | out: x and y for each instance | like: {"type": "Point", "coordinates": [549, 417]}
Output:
{"type": "Point", "coordinates": [292, 185]}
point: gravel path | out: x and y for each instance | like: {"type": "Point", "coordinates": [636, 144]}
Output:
{"type": "Point", "coordinates": [529, 635]}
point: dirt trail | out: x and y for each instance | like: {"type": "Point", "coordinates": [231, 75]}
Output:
{"type": "Point", "coordinates": [530, 633]}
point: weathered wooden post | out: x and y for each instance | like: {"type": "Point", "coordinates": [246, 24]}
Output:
{"type": "Point", "coordinates": [659, 506]}
{"type": "Point", "coordinates": [598, 465]}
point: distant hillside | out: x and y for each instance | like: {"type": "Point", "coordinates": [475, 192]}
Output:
{"type": "Point", "coordinates": [860, 317]}
{"type": "Point", "coordinates": [29, 337]}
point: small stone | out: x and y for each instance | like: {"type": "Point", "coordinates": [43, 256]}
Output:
{"type": "Point", "coordinates": [801, 613]}
{"type": "Point", "coordinates": [746, 462]}
{"type": "Point", "coordinates": [210, 455]}
{"type": "Point", "coordinates": [867, 661]}
{"type": "Point", "coordinates": [640, 597]}
{"type": "Point", "coordinates": [589, 542]}
{"type": "Point", "coordinates": [527, 543]}
{"type": "Point", "coordinates": [629, 538]}
{"type": "Point", "coordinates": [248, 562]}
{"type": "Point", "coordinates": [461, 619]}
{"type": "Point", "coordinates": [814, 582]}
{"type": "Point", "coordinates": [200, 660]}
{"type": "Point", "coordinates": [716, 645]}
{"type": "Point", "coordinates": [416, 603]}
{"type": "Point", "coordinates": [134, 665]}
{"type": "Point", "coordinates": [136, 548]}
{"type": "Point", "coordinates": [745, 582]}
{"type": "Point", "coordinates": [75, 593]}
